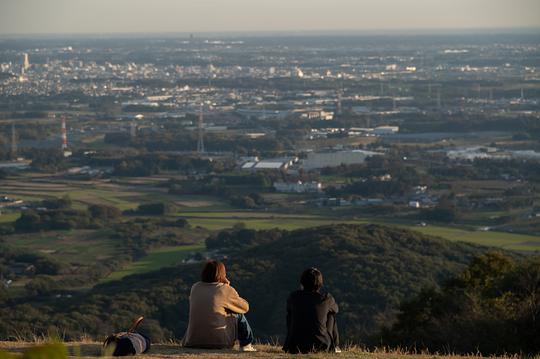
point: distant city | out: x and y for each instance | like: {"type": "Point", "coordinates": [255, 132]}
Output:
{"type": "Point", "coordinates": [123, 156]}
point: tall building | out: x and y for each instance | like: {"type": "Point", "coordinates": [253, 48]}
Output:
{"type": "Point", "coordinates": [26, 62]}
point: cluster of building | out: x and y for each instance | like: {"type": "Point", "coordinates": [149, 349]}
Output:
{"type": "Point", "coordinates": [178, 77]}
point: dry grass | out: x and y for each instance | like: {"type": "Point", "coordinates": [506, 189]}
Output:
{"type": "Point", "coordinates": [88, 350]}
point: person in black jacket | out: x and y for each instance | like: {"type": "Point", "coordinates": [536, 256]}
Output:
{"type": "Point", "coordinates": [311, 322]}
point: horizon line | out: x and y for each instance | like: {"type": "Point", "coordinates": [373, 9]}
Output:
{"type": "Point", "coordinates": [259, 33]}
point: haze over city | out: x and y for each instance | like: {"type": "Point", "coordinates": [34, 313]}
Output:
{"type": "Point", "coordinates": [142, 16]}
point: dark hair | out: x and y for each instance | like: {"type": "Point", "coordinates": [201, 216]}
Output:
{"type": "Point", "coordinates": [214, 271]}
{"type": "Point", "coordinates": [312, 279]}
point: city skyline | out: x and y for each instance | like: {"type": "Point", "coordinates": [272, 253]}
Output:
{"type": "Point", "coordinates": [163, 16]}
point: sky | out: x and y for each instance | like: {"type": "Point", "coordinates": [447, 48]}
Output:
{"type": "Point", "coordinates": [195, 16]}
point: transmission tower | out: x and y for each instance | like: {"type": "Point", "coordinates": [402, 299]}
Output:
{"type": "Point", "coordinates": [64, 134]}
{"type": "Point", "coordinates": [133, 130]}
{"type": "Point", "coordinates": [13, 142]}
{"type": "Point", "coordinates": [338, 103]}
{"type": "Point", "coordinates": [200, 122]}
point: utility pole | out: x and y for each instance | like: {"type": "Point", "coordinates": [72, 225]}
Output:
{"type": "Point", "coordinates": [13, 142]}
{"type": "Point", "coordinates": [338, 104]}
{"type": "Point", "coordinates": [200, 140]}
{"type": "Point", "coordinates": [64, 134]}
{"type": "Point", "coordinates": [132, 130]}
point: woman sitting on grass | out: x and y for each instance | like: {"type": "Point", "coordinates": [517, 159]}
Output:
{"type": "Point", "coordinates": [216, 313]}
{"type": "Point", "coordinates": [311, 322]}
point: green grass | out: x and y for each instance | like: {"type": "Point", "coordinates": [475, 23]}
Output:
{"type": "Point", "coordinates": [244, 214]}
{"type": "Point", "coordinates": [9, 217]}
{"type": "Point", "coordinates": [513, 241]}
{"type": "Point", "coordinates": [74, 246]}
{"type": "Point", "coordinates": [504, 240]}
{"type": "Point", "coordinates": [87, 350]}
{"type": "Point", "coordinates": [156, 259]}
{"type": "Point", "coordinates": [265, 223]}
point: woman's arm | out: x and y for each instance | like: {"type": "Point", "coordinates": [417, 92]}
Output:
{"type": "Point", "coordinates": [332, 305]}
{"type": "Point", "coordinates": [235, 303]}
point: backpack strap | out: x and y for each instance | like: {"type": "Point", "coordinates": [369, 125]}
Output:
{"type": "Point", "coordinates": [135, 324]}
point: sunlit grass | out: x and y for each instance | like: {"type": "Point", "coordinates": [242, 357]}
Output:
{"type": "Point", "coordinates": [156, 259]}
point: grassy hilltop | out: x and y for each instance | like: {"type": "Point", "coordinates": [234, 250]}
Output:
{"type": "Point", "coordinates": [174, 351]}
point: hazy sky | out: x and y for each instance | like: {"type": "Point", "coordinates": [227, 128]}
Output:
{"type": "Point", "coordinates": [108, 16]}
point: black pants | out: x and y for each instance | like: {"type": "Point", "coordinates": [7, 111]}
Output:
{"type": "Point", "coordinates": [331, 327]}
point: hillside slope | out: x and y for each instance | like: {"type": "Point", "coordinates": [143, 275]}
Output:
{"type": "Point", "coordinates": [369, 269]}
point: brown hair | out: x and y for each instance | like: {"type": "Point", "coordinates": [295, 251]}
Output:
{"type": "Point", "coordinates": [214, 271]}
{"type": "Point", "coordinates": [312, 280]}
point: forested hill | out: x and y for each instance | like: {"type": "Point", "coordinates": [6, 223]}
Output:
{"type": "Point", "coordinates": [369, 269]}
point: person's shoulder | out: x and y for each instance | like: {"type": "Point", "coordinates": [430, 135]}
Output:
{"type": "Point", "coordinates": [225, 287]}
{"type": "Point", "coordinates": [196, 285]}
{"type": "Point", "coordinates": [327, 297]}
{"type": "Point", "coordinates": [295, 294]}
{"type": "Point", "coordinates": [201, 285]}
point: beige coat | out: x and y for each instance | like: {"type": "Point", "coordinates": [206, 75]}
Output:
{"type": "Point", "coordinates": [212, 323]}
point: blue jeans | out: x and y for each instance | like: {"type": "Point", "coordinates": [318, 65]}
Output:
{"type": "Point", "coordinates": [245, 334]}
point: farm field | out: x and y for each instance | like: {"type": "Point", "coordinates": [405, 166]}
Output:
{"type": "Point", "coordinates": [207, 212]}
{"type": "Point", "coordinates": [80, 246]}
{"type": "Point", "coordinates": [214, 214]}
{"type": "Point", "coordinates": [127, 194]}
{"type": "Point", "coordinates": [512, 241]}
{"type": "Point", "coordinates": [156, 259]}
{"type": "Point", "coordinates": [221, 220]}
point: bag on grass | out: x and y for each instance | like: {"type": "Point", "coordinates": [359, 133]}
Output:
{"type": "Point", "coordinates": [127, 343]}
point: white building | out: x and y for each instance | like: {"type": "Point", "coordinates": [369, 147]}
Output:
{"type": "Point", "coordinates": [269, 164]}
{"type": "Point", "coordinates": [414, 204]}
{"type": "Point", "coordinates": [385, 130]}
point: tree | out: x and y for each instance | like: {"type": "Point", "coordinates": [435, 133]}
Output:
{"type": "Point", "coordinates": [492, 307]}
{"type": "Point", "coordinates": [104, 212]}
{"type": "Point", "coordinates": [41, 285]}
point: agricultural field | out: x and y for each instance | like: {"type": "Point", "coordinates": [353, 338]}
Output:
{"type": "Point", "coordinates": [83, 249]}
{"type": "Point", "coordinates": [214, 214]}
{"type": "Point", "coordinates": [81, 246]}
{"type": "Point", "coordinates": [157, 259]}
{"type": "Point", "coordinates": [519, 242]}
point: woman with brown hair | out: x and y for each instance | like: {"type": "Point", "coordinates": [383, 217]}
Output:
{"type": "Point", "coordinates": [216, 312]}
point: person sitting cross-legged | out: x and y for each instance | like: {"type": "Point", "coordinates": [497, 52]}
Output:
{"type": "Point", "coordinates": [216, 313]}
{"type": "Point", "coordinates": [311, 322]}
